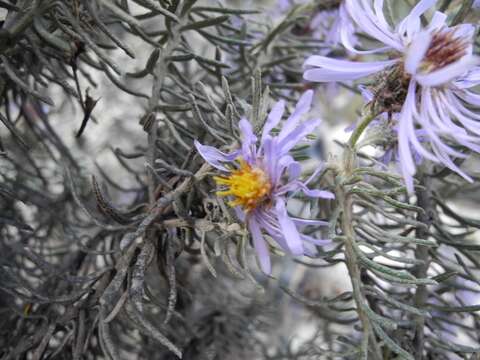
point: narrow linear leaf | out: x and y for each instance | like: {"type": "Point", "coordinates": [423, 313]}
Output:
{"type": "Point", "coordinates": [392, 345]}
{"type": "Point", "coordinates": [205, 23]}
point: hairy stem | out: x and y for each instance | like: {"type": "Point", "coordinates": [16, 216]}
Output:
{"type": "Point", "coordinates": [345, 202]}
{"type": "Point", "coordinates": [159, 73]}
{"type": "Point", "coordinates": [424, 200]}
{"type": "Point", "coordinates": [364, 122]}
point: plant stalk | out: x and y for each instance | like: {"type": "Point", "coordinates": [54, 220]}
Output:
{"type": "Point", "coordinates": [345, 202]}
{"type": "Point", "coordinates": [355, 276]}
{"type": "Point", "coordinates": [424, 200]}
{"type": "Point", "coordinates": [357, 133]}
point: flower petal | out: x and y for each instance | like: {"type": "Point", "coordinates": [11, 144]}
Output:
{"type": "Point", "coordinates": [470, 97]}
{"type": "Point", "coordinates": [294, 137]}
{"type": "Point", "coordinates": [288, 228]}
{"type": "Point", "coordinates": [294, 170]}
{"type": "Point", "coordinates": [378, 7]}
{"type": "Point", "coordinates": [465, 30]}
{"type": "Point", "coordinates": [268, 221]}
{"type": "Point", "coordinates": [260, 246]}
{"type": "Point", "coordinates": [294, 186]}
{"type": "Point", "coordinates": [410, 26]}
{"type": "Point", "coordinates": [323, 194]}
{"type": "Point", "coordinates": [347, 65]}
{"type": "Point", "coordinates": [302, 107]}
{"type": "Point", "coordinates": [369, 23]}
{"type": "Point", "coordinates": [340, 70]}
{"type": "Point", "coordinates": [347, 34]}
{"type": "Point", "coordinates": [214, 156]}
{"type": "Point", "coordinates": [286, 162]}
{"type": "Point", "coordinates": [248, 140]}
{"type": "Point", "coordinates": [416, 52]}
{"type": "Point", "coordinates": [448, 73]}
{"type": "Point", "coordinates": [240, 213]}
{"type": "Point", "coordinates": [270, 157]}
{"type": "Point", "coordinates": [325, 75]}
{"type": "Point", "coordinates": [469, 80]}
{"type": "Point", "coordinates": [273, 118]}
{"type": "Point", "coordinates": [405, 157]}
{"type": "Point", "coordinates": [438, 21]}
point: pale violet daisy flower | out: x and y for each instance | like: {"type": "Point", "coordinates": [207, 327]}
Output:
{"type": "Point", "coordinates": [435, 68]}
{"type": "Point", "coordinates": [258, 177]}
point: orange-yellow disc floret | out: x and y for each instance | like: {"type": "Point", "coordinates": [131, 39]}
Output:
{"type": "Point", "coordinates": [247, 185]}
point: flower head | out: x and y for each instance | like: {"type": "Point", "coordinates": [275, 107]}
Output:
{"type": "Point", "coordinates": [258, 177]}
{"type": "Point", "coordinates": [430, 69]}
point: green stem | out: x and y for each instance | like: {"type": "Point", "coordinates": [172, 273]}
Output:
{"type": "Point", "coordinates": [369, 343]}
{"type": "Point", "coordinates": [370, 346]}
{"type": "Point", "coordinates": [424, 200]}
{"type": "Point", "coordinates": [366, 120]}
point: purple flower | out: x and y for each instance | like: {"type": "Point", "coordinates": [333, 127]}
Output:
{"type": "Point", "coordinates": [258, 177]}
{"type": "Point", "coordinates": [436, 69]}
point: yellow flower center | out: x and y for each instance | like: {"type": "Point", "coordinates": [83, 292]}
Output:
{"type": "Point", "coordinates": [247, 185]}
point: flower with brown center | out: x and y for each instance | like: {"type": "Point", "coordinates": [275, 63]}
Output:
{"type": "Point", "coordinates": [425, 85]}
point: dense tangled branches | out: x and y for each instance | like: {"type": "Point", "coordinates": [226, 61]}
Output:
{"type": "Point", "coordinates": [147, 262]}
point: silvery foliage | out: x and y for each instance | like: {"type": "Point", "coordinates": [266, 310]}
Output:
{"type": "Point", "coordinates": [170, 273]}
